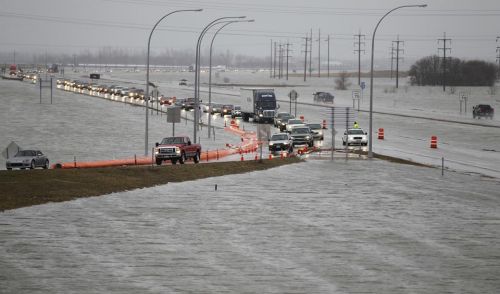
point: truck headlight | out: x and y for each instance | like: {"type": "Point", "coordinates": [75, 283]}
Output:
{"type": "Point", "coordinates": [261, 115]}
{"type": "Point", "coordinates": [177, 150]}
{"type": "Point", "coordinates": [307, 137]}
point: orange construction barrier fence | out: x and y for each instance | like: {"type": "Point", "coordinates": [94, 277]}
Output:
{"type": "Point", "coordinates": [249, 143]}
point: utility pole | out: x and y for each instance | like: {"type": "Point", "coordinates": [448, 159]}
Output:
{"type": "Point", "coordinates": [280, 59]}
{"type": "Point", "coordinates": [392, 58]}
{"type": "Point", "coordinates": [310, 54]}
{"type": "Point", "coordinates": [397, 59]}
{"type": "Point", "coordinates": [319, 53]}
{"type": "Point", "coordinates": [287, 57]}
{"type": "Point", "coordinates": [444, 49]}
{"type": "Point", "coordinates": [271, 68]}
{"type": "Point", "coordinates": [498, 57]}
{"type": "Point", "coordinates": [305, 57]}
{"type": "Point", "coordinates": [274, 70]}
{"type": "Point", "coordinates": [328, 55]}
{"type": "Point", "coordinates": [359, 50]}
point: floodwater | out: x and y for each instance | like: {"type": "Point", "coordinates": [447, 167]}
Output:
{"type": "Point", "coordinates": [341, 226]}
{"type": "Point", "coordinates": [357, 226]}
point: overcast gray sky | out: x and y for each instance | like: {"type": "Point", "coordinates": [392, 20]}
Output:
{"type": "Point", "coordinates": [72, 26]}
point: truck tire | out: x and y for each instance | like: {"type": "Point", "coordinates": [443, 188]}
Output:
{"type": "Point", "coordinates": [158, 161]}
{"type": "Point", "coordinates": [196, 157]}
{"type": "Point", "coordinates": [182, 159]}
{"type": "Point", "coordinates": [245, 117]}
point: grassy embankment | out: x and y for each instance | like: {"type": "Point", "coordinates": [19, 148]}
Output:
{"type": "Point", "coordinates": [32, 187]}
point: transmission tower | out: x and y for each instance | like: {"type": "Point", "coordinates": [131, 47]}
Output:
{"type": "Point", "coordinates": [288, 56]}
{"type": "Point", "coordinates": [391, 53]}
{"type": "Point", "coordinates": [498, 57]}
{"type": "Point", "coordinates": [319, 53]}
{"type": "Point", "coordinates": [310, 53]}
{"type": "Point", "coordinates": [444, 49]}
{"type": "Point", "coordinates": [306, 47]}
{"type": "Point", "coordinates": [271, 68]}
{"type": "Point", "coordinates": [328, 55]}
{"type": "Point", "coordinates": [359, 50]}
{"type": "Point", "coordinates": [398, 50]}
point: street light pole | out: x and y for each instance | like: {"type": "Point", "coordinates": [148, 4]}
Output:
{"type": "Point", "coordinates": [210, 71]}
{"type": "Point", "coordinates": [370, 135]}
{"type": "Point", "coordinates": [197, 73]}
{"type": "Point", "coordinates": [146, 96]}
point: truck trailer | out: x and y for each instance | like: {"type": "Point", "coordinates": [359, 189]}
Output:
{"type": "Point", "coordinates": [258, 104]}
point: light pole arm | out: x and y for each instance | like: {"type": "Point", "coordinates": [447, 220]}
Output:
{"type": "Point", "coordinates": [196, 74]}
{"type": "Point", "coordinates": [146, 96]}
{"type": "Point", "coordinates": [370, 134]}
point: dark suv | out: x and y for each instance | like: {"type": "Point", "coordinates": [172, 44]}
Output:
{"type": "Point", "coordinates": [482, 110]}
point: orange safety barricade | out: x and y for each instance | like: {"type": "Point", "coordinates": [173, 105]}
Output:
{"type": "Point", "coordinates": [381, 134]}
{"type": "Point", "coordinates": [434, 142]}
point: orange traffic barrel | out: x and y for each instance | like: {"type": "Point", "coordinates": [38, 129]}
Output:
{"type": "Point", "coordinates": [381, 134]}
{"type": "Point", "coordinates": [302, 118]}
{"type": "Point", "coordinates": [324, 124]}
{"type": "Point", "coordinates": [242, 158]}
{"type": "Point", "coordinates": [434, 142]}
{"type": "Point", "coordinates": [270, 156]}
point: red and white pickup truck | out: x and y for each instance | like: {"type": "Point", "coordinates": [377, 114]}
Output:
{"type": "Point", "coordinates": [177, 149]}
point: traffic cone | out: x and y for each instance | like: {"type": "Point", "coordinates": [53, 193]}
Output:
{"type": "Point", "coordinates": [434, 142]}
{"type": "Point", "coordinates": [381, 134]}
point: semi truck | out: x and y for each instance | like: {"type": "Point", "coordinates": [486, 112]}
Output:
{"type": "Point", "coordinates": [258, 104]}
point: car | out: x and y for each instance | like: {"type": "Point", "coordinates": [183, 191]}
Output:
{"type": "Point", "coordinates": [227, 109]}
{"type": "Point", "coordinates": [301, 135]}
{"type": "Point", "coordinates": [324, 97]}
{"type": "Point", "coordinates": [216, 108]}
{"type": "Point", "coordinates": [28, 159]}
{"type": "Point", "coordinates": [236, 111]}
{"type": "Point", "coordinates": [291, 122]}
{"type": "Point", "coordinates": [483, 110]}
{"type": "Point", "coordinates": [355, 137]}
{"type": "Point", "coordinates": [280, 142]}
{"type": "Point", "coordinates": [279, 116]}
{"type": "Point", "coordinates": [284, 122]}
{"type": "Point", "coordinates": [316, 130]}
{"type": "Point", "coordinates": [183, 82]}
{"type": "Point", "coordinates": [188, 104]}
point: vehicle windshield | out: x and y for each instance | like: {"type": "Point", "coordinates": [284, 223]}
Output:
{"type": "Point", "coordinates": [228, 106]}
{"type": "Point", "coordinates": [279, 137]}
{"type": "Point", "coordinates": [172, 140]}
{"type": "Point", "coordinates": [484, 107]}
{"type": "Point", "coordinates": [237, 108]}
{"type": "Point", "coordinates": [26, 153]}
{"type": "Point", "coordinates": [283, 115]}
{"type": "Point", "coordinates": [314, 126]}
{"type": "Point", "coordinates": [300, 131]}
{"type": "Point", "coordinates": [356, 132]}
{"type": "Point", "coordinates": [294, 121]}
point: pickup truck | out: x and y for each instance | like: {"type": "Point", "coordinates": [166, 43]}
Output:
{"type": "Point", "coordinates": [177, 149]}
